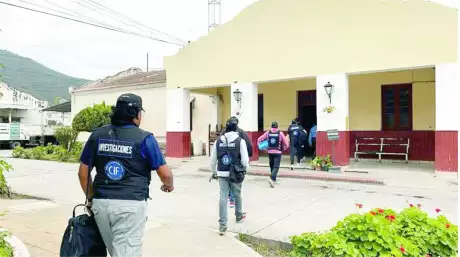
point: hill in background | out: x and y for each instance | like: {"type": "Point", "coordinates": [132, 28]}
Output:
{"type": "Point", "coordinates": [29, 76]}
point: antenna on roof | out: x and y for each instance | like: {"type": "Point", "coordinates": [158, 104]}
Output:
{"type": "Point", "coordinates": [214, 14]}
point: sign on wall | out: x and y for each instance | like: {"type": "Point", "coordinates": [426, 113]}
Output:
{"type": "Point", "coordinates": [332, 134]}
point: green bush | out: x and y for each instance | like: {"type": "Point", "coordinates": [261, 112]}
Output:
{"type": "Point", "coordinates": [18, 152]}
{"type": "Point", "coordinates": [92, 117]}
{"type": "Point", "coordinates": [51, 149]}
{"type": "Point", "coordinates": [5, 248]}
{"type": "Point", "coordinates": [66, 136]}
{"type": "Point", "coordinates": [383, 233]}
{"type": "Point", "coordinates": [4, 167]}
{"type": "Point", "coordinates": [38, 152]}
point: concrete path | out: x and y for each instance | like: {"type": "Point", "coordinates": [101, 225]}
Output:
{"type": "Point", "coordinates": [293, 207]}
{"type": "Point", "coordinates": [41, 224]}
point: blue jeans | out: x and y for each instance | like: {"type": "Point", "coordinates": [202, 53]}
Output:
{"type": "Point", "coordinates": [225, 187]}
{"type": "Point", "coordinates": [231, 197]}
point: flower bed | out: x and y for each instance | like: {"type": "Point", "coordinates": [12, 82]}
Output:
{"type": "Point", "coordinates": [383, 233]}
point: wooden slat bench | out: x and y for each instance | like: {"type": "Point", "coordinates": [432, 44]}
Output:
{"type": "Point", "coordinates": [380, 145]}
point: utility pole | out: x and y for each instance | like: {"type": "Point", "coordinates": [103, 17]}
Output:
{"type": "Point", "coordinates": [147, 62]}
{"type": "Point", "coordinates": [214, 14]}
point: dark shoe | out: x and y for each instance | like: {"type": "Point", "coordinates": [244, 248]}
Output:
{"type": "Point", "coordinates": [242, 218]}
{"type": "Point", "coordinates": [222, 230]}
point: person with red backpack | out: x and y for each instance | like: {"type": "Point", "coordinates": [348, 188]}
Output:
{"type": "Point", "coordinates": [277, 142]}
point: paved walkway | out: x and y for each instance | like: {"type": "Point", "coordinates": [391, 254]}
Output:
{"type": "Point", "coordinates": [292, 207]}
{"type": "Point", "coordinates": [41, 224]}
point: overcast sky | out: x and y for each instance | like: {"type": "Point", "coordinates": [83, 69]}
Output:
{"type": "Point", "coordinates": [87, 52]}
{"type": "Point", "coordinates": [83, 51]}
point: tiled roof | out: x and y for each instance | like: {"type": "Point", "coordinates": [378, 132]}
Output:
{"type": "Point", "coordinates": [137, 79]}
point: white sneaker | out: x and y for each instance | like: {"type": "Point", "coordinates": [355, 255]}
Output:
{"type": "Point", "coordinates": [271, 183]}
{"type": "Point", "coordinates": [298, 164]}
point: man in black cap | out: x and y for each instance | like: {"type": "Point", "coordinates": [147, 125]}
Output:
{"type": "Point", "coordinates": [230, 149]}
{"type": "Point", "coordinates": [124, 156]}
{"type": "Point", "coordinates": [244, 136]}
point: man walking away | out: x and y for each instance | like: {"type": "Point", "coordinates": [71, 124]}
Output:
{"type": "Point", "coordinates": [303, 141]}
{"type": "Point", "coordinates": [277, 142]}
{"type": "Point", "coordinates": [243, 135]}
{"type": "Point", "coordinates": [294, 131]}
{"type": "Point", "coordinates": [124, 156]}
{"type": "Point", "coordinates": [230, 149]}
{"type": "Point", "coordinates": [312, 140]}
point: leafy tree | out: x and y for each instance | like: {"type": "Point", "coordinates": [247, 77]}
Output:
{"type": "Point", "coordinates": [66, 136]}
{"type": "Point", "coordinates": [92, 117]}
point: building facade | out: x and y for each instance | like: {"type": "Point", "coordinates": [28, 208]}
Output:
{"type": "Point", "coordinates": [392, 77]}
{"type": "Point", "coordinates": [151, 86]}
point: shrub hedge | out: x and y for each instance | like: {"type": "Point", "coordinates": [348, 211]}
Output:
{"type": "Point", "coordinates": [383, 233]}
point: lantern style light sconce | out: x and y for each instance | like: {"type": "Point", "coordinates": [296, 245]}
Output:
{"type": "Point", "coordinates": [329, 89]}
{"type": "Point", "coordinates": [237, 94]}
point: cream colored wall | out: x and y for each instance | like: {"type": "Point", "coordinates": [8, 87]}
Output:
{"type": "Point", "coordinates": [154, 100]}
{"type": "Point", "coordinates": [201, 118]}
{"type": "Point", "coordinates": [271, 41]}
{"type": "Point", "coordinates": [365, 98]}
{"type": "Point", "coordinates": [280, 100]}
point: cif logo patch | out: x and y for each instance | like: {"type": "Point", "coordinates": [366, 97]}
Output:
{"type": "Point", "coordinates": [226, 160]}
{"type": "Point", "coordinates": [114, 170]}
{"type": "Point", "coordinates": [272, 141]}
{"type": "Point", "coordinates": [295, 132]}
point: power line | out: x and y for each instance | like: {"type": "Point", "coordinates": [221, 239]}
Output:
{"type": "Point", "coordinates": [78, 15]}
{"type": "Point", "coordinates": [101, 6]}
{"type": "Point", "coordinates": [92, 24]}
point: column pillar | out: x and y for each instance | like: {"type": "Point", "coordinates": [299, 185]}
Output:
{"type": "Point", "coordinates": [178, 136]}
{"type": "Point", "coordinates": [447, 122]}
{"type": "Point", "coordinates": [247, 112]}
{"type": "Point", "coordinates": [337, 119]}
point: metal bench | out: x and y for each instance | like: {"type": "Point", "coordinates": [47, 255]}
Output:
{"type": "Point", "coordinates": [380, 145]}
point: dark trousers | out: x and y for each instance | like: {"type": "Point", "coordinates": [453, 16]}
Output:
{"type": "Point", "coordinates": [295, 150]}
{"type": "Point", "coordinates": [313, 145]}
{"type": "Point", "coordinates": [274, 160]}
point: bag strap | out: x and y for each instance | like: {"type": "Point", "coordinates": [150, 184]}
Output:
{"type": "Point", "coordinates": [87, 192]}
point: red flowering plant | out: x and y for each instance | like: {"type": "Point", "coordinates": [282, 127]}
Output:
{"type": "Point", "coordinates": [381, 232]}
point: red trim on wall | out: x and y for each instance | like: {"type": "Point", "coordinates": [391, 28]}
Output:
{"type": "Point", "coordinates": [446, 157]}
{"type": "Point", "coordinates": [341, 148]}
{"type": "Point", "coordinates": [178, 144]}
{"type": "Point", "coordinates": [422, 144]}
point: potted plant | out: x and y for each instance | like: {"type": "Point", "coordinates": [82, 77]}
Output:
{"type": "Point", "coordinates": [321, 163]}
{"type": "Point", "coordinates": [329, 109]}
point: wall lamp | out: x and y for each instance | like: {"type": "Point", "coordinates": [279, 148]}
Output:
{"type": "Point", "coordinates": [238, 95]}
{"type": "Point", "coordinates": [329, 89]}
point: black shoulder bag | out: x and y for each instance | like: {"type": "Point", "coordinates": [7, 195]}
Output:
{"type": "Point", "coordinates": [237, 170]}
{"type": "Point", "coordinates": [82, 237]}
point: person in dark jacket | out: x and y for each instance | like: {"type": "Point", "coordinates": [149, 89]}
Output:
{"type": "Point", "coordinates": [124, 156]}
{"type": "Point", "coordinates": [294, 131]}
{"type": "Point", "coordinates": [244, 136]}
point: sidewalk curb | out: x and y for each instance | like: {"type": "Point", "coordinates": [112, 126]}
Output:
{"type": "Point", "coordinates": [19, 248]}
{"type": "Point", "coordinates": [234, 237]}
{"type": "Point", "coordinates": [320, 176]}
{"type": "Point", "coordinates": [271, 243]}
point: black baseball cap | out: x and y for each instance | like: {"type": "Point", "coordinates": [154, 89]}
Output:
{"type": "Point", "coordinates": [130, 100]}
